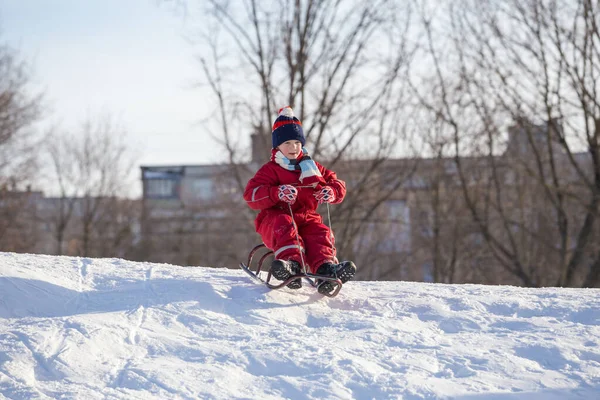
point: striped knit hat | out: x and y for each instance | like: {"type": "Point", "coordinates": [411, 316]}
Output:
{"type": "Point", "coordinates": [287, 127]}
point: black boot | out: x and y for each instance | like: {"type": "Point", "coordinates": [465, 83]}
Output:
{"type": "Point", "coordinates": [343, 271]}
{"type": "Point", "coordinates": [283, 269]}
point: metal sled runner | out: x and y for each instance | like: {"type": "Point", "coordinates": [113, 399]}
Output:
{"type": "Point", "coordinates": [314, 280]}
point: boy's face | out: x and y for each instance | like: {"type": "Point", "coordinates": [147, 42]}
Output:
{"type": "Point", "coordinates": [291, 149]}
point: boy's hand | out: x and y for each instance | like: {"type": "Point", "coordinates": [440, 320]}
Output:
{"type": "Point", "coordinates": [287, 193]}
{"type": "Point", "coordinates": [325, 195]}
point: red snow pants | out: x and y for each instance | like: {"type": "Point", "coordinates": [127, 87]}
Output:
{"type": "Point", "coordinates": [278, 232]}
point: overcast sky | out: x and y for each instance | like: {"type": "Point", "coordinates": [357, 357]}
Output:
{"type": "Point", "coordinates": [127, 58]}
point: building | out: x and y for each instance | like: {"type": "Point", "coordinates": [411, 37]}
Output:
{"type": "Point", "coordinates": [77, 226]}
{"type": "Point", "coordinates": [193, 215]}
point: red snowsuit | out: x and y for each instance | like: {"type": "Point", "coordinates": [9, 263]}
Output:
{"type": "Point", "coordinates": [274, 222]}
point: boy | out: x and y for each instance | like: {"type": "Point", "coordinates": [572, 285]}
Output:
{"type": "Point", "coordinates": [292, 183]}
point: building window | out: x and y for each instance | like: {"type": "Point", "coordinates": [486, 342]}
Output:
{"type": "Point", "coordinates": [161, 188]}
{"type": "Point", "coordinates": [397, 237]}
{"type": "Point", "coordinates": [427, 272]}
{"type": "Point", "coordinates": [426, 224]}
{"type": "Point", "coordinates": [203, 188]}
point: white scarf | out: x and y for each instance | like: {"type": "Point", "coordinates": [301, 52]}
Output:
{"type": "Point", "coordinates": [310, 171]}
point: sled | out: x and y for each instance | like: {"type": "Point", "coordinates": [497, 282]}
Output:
{"type": "Point", "coordinates": [257, 274]}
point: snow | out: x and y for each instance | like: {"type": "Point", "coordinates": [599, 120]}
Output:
{"type": "Point", "coordinates": [81, 328]}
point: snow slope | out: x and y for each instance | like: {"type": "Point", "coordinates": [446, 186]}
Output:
{"type": "Point", "coordinates": [80, 328]}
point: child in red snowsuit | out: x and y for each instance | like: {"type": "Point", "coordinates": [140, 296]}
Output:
{"type": "Point", "coordinates": [291, 183]}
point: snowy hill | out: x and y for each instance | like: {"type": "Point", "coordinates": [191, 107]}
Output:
{"type": "Point", "coordinates": [81, 328]}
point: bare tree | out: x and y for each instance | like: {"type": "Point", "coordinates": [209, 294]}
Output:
{"type": "Point", "coordinates": [339, 64]}
{"type": "Point", "coordinates": [516, 85]}
{"type": "Point", "coordinates": [92, 169]}
{"type": "Point", "coordinates": [19, 110]}
{"type": "Point", "coordinates": [64, 172]}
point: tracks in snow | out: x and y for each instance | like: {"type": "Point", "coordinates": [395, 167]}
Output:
{"type": "Point", "coordinates": [136, 317]}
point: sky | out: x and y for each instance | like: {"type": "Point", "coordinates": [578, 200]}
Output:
{"type": "Point", "coordinates": [129, 59]}
{"type": "Point", "coordinates": [82, 328]}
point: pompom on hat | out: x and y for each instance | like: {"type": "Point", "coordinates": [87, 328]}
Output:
{"type": "Point", "coordinates": [287, 127]}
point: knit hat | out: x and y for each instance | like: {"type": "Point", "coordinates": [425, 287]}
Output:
{"type": "Point", "coordinates": [287, 127]}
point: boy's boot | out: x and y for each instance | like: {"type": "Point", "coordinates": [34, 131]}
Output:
{"type": "Point", "coordinates": [343, 271]}
{"type": "Point", "coordinates": [283, 269]}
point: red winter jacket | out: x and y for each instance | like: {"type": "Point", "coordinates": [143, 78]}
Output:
{"type": "Point", "coordinates": [261, 190]}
